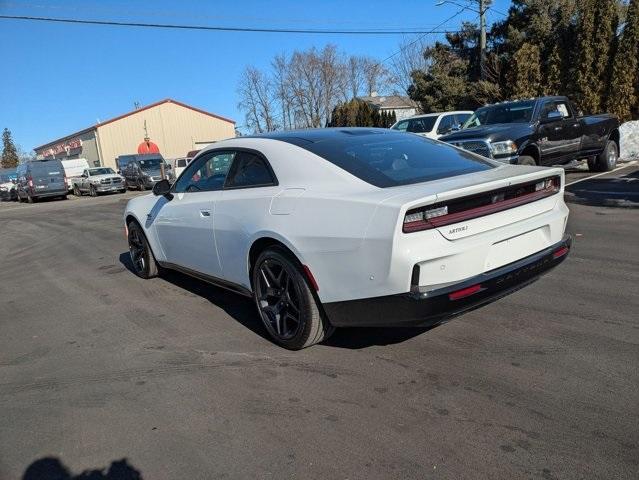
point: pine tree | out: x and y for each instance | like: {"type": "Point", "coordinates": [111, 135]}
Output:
{"type": "Point", "coordinates": [623, 100]}
{"type": "Point", "coordinates": [586, 94]}
{"type": "Point", "coordinates": [603, 42]}
{"type": "Point", "coordinates": [524, 78]}
{"type": "Point", "coordinates": [9, 153]}
{"type": "Point", "coordinates": [553, 83]}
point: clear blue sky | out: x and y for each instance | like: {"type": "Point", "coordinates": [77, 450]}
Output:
{"type": "Point", "coordinates": [58, 78]}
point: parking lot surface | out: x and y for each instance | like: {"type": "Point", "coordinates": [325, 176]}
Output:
{"type": "Point", "coordinates": [178, 377]}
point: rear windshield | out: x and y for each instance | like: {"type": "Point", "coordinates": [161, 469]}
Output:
{"type": "Point", "coordinates": [150, 163]}
{"type": "Point", "coordinates": [51, 167]}
{"type": "Point", "coordinates": [390, 160]}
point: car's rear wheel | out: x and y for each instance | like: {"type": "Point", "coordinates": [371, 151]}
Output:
{"type": "Point", "coordinates": [76, 191]}
{"type": "Point", "coordinates": [142, 257]}
{"type": "Point", "coordinates": [606, 160]}
{"type": "Point", "coordinates": [287, 306]}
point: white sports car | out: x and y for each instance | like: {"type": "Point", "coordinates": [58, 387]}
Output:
{"type": "Point", "coordinates": [352, 227]}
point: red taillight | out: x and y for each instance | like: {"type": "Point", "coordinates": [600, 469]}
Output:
{"type": "Point", "coordinates": [465, 292]}
{"type": "Point", "coordinates": [560, 253]}
{"type": "Point", "coordinates": [467, 208]}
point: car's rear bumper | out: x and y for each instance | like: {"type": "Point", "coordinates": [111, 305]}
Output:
{"type": "Point", "coordinates": [49, 193]}
{"type": "Point", "coordinates": [429, 307]}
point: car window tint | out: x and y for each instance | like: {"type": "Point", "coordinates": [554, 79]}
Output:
{"type": "Point", "coordinates": [421, 125]}
{"type": "Point", "coordinates": [462, 117]}
{"type": "Point", "coordinates": [562, 108]}
{"type": "Point", "coordinates": [446, 124]}
{"type": "Point", "coordinates": [401, 126]}
{"type": "Point", "coordinates": [206, 174]}
{"type": "Point", "coordinates": [249, 170]}
{"type": "Point", "coordinates": [391, 159]}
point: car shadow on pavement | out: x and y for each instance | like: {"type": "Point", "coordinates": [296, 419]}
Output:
{"type": "Point", "coordinates": [622, 191]}
{"type": "Point", "coordinates": [243, 310]}
{"type": "Point", "coordinates": [51, 468]}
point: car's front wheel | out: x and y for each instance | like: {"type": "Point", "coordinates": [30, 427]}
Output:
{"type": "Point", "coordinates": [287, 306]}
{"type": "Point", "coordinates": [142, 257]}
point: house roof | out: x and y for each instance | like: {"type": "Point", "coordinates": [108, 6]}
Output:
{"type": "Point", "coordinates": [166, 100]}
{"type": "Point", "coordinates": [389, 101]}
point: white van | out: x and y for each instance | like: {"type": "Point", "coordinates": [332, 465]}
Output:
{"type": "Point", "coordinates": [74, 168]}
{"type": "Point", "coordinates": [433, 125]}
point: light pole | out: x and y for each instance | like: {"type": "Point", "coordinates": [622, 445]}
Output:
{"type": "Point", "coordinates": [482, 28]}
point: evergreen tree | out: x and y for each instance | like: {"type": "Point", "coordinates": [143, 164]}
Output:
{"type": "Point", "coordinates": [586, 89]}
{"type": "Point", "coordinates": [553, 83]}
{"type": "Point", "coordinates": [9, 153]}
{"type": "Point", "coordinates": [603, 41]}
{"type": "Point", "coordinates": [393, 119]}
{"type": "Point", "coordinates": [525, 75]}
{"type": "Point", "coordinates": [623, 100]}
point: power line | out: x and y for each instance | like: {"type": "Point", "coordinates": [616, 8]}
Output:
{"type": "Point", "coordinates": [224, 29]}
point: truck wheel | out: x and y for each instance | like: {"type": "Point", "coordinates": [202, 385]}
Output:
{"type": "Point", "coordinates": [92, 191]}
{"type": "Point", "coordinates": [141, 185]}
{"type": "Point", "coordinates": [30, 199]}
{"type": "Point", "coordinates": [289, 310]}
{"type": "Point", "coordinates": [76, 191]}
{"type": "Point", "coordinates": [526, 160]}
{"type": "Point", "coordinates": [606, 160]}
{"type": "Point", "coordinates": [142, 257]}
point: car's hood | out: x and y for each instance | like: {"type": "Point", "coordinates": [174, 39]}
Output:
{"type": "Point", "coordinates": [496, 132]}
{"type": "Point", "coordinates": [105, 176]}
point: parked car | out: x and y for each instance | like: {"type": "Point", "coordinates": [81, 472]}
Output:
{"type": "Point", "coordinates": [38, 179]}
{"type": "Point", "coordinates": [540, 131]}
{"type": "Point", "coordinates": [179, 164]}
{"type": "Point", "coordinates": [98, 180]}
{"type": "Point", "coordinates": [433, 125]}
{"type": "Point", "coordinates": [8, 178]}
{"type": "Point", "coordinates": [145, 170]}
{"type": "Point", "coordinates": [345, 227]}
{"type": "Point", "coordinates": [73, 168]}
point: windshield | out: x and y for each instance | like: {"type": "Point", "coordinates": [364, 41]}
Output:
{"type": "Point", "coordinates": [512, 112]}
{"type": "Point", "coordinates": [150, 163]}
{"type": "Point", "coordinates": [101, 171]}
{"type": "Point", "coordinates": [393, 159]}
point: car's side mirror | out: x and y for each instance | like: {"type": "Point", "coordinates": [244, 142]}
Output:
{"type": "Point", "coordinates": [163, 188]}
{"type": "Point", "coordinates": [552, 117]}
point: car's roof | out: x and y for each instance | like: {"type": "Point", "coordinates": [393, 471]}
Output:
{"type": "Point", "coordinates": [315, 135]}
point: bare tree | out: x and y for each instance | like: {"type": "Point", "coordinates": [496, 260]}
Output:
{"type": "Point", "coordinates": [409, 57]}
{"type": "Point", "coordinates": [257, 100]}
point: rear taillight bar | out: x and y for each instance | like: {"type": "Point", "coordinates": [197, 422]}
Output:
{"type": "Point", "coordinates": [467, 208]}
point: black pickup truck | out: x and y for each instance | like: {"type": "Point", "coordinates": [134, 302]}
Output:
{"type": "Point", "coordinates": [540, 131]}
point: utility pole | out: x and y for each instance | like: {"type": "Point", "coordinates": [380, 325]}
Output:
{"type": "Point", "coordinates": [483, 7]}
{"type": "Point", "coordinates": [482, 37]}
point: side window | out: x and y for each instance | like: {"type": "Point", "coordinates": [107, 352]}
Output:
{"type": "Point", "coordinates": [462, 117]}
{"type": "Point", "coordinates": [446, 124]}
{"type": "Point", "coordinates": [401, 126]}
{"type": "Point", "coordinates": [206, 174]}
{"type": "Point", "coordinates": [416, 126]}
{"type": "Point", "coordinates": [562, 107]}
{"type": "Point", "coordinates": [547, 108]}
{"type": "Point", "coordinates": [249, 170]}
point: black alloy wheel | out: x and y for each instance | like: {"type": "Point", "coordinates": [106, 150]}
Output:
{"type": "Point", "coordinates": [142, 258]}
{"type": "Point", "coordinates": [287, 306]}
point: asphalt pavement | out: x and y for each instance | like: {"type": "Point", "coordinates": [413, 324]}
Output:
{"type": "Point", "coordinates": [175, 379]}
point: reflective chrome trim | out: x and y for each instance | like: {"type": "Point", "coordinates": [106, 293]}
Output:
{"type": "Point", "coordinates": [459, 144]}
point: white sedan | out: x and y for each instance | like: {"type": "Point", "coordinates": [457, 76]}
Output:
{"type": "Point", "coordinates": [352, 227]}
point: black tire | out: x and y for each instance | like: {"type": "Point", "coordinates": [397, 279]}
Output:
{"type": "Point", "coordinates": [526, 160]}
{"type": "Point", "coordinates": [92, 191]}
{"type": "Point", "coordinates": [123, 190]}
{"type": "Point", "coordinates": [606, 160]}
{"type": "Point", "coordinates": [30, 199]}
{"type": "Point", "coordinates": [141, 186]}
{"type": "Point", "coordinates": [76, 191]}
{"type": "Point", "coordinates": [142, 258]}
{"type": "Point", "coordinates": [287, 306]}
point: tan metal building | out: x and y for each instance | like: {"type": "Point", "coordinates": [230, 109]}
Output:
{"type": "Point", "coordinates": [176, 128]}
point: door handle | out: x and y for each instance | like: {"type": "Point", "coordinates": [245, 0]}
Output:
{"type": "Point", "coordinates": [205, 213]}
